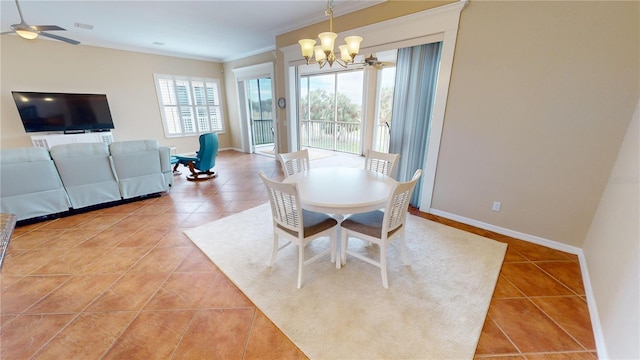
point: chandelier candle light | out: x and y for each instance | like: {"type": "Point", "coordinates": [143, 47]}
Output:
{"type": "Point", "coordinates": [324, 52]}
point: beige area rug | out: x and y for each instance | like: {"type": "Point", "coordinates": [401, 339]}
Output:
{"type": "Point", "coordinates": [433, 309]}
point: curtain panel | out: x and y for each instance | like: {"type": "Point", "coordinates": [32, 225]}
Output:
{"type": "Point", "coordinates": [414, 96]}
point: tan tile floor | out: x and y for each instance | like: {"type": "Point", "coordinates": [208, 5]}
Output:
{"type": "Point", "coordinates": [125, 282]}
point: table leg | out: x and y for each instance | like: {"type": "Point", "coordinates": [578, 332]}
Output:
{"type": "Point", "coordinates": [339, 218]}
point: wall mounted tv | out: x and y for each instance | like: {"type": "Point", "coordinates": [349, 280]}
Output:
{"type": "Point", "coordinates": [69, 113]}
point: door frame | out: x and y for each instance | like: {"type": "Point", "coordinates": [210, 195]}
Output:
{"type": "Point", "coordinates": [264, 70]}
{"type": "Point", "coordinates": [437, 24]}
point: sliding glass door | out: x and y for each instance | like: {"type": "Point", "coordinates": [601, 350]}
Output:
{"type": "Point", "coordinates": [260, 115]}
{"type": "Point", "coordinates": [331, 111]}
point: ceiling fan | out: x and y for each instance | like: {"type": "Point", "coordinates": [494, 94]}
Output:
{"type": "Point", "coordinates": [373, 61]}
{"type": "Point", "coordinates": [31, 32]}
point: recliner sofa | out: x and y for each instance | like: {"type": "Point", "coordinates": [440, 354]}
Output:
{"type": "Point", "coordinates": [36, 182]}
{"type": "Point", "coordinates": [30, 185]}
{"type": "Point", "coordinates": [143, 167]}
{"type": "Point", "coordinates": [87, 173]}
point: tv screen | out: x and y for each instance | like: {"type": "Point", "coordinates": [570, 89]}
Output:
{"type": "Point", "coordinates": [63, 112]}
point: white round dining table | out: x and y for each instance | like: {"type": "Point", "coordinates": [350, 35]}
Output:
{"type": "Point", "coordinates": [342, 190]}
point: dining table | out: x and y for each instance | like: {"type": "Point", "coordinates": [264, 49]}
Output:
{"type": "Point", "coordinates": [342, 190]}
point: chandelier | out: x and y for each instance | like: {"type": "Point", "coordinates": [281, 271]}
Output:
{"type": "Point", "coordinates": [324, 52]}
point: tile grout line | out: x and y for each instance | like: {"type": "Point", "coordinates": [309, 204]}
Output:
{"type": "Point", "coordinates": [560, 326]}
{"type": "Point", "coordinates": [246, 341]}
{"type": "Point", "coordinates": [139, 311]}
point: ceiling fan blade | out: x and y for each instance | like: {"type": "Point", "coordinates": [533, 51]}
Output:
{"type": "Point", "coordinates": [61, 38]}
{"type": "Point", "coordinates": [47, 27]}
{"type": "Point", "coordinates": [7, 32]}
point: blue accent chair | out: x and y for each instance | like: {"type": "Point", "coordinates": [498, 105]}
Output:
{"type": "Point", "coordinates": [204, 160]}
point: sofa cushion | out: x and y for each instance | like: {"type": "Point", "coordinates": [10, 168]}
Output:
{"type": "Point", "coordinates": [87, 173]}
{"type": "Point", "coordinates": [141, 166]}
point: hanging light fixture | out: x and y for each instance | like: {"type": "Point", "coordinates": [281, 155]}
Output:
{"type": "Point", "coordinates": [324, 52]}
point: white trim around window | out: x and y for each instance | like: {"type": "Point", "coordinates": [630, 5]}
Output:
{"type": "Point", "coordinates": [189, 105]}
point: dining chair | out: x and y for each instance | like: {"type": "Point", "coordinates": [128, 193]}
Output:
{"type": "Point", "coordinates": [294, 162]}
{"type": "Point", "coordinates": [381, 162]}
{"type": "Point", "coordinates": [296, 225]}
{"type": "Point", "coordinates": [381, 227]}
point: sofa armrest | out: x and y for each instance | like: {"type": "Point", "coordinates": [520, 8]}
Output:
{"type": "Point", "coordinates": [165, 158]}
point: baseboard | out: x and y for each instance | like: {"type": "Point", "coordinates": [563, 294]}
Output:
{"type": "Point", "coordinates": [504, 231]}
{"type": "Point", "coordinates": [230, 148]}
{"type": "Point", "coordinates": [593, 309]}
{"type": "Point", "coordinates": [591, 302]}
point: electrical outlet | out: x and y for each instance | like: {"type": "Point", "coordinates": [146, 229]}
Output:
{"type": "Point", "coordinates": [496, 206]}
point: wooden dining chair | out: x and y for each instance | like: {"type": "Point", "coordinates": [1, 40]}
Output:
{"type": "Point", "coordinates": [381, 227]}
{"type": "Point", "coordinates": [296, 225]}
{"type": "Point", "coordinates": [294, 162]}
{"type": "Point", "coordinates": [381, 162]}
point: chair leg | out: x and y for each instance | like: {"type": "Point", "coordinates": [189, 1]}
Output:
{"type": "Point", "coordinates": [195, 175]}
{"type": "Point", "coordinates": [383, 265]}
{"type": "Point", "coordinates": [274, 251]}
{"type": "Point", "coordinates": [300, 264]}
{"type": "Point", "coordinates": [175, 169]}
{"type": "Point", "coordinates": [403, 250]}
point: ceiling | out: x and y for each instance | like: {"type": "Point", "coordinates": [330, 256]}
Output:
{"type": "Point", "coordinates": [212, 30]}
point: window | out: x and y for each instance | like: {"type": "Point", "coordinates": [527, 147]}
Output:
{"type": "Point", "coordinates": [331, 110]}
{"type": "Point", "coordinates": [189, 106]}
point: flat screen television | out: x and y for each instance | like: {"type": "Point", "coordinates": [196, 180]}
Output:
{"type": "Point", "coordinates": [69, 113]}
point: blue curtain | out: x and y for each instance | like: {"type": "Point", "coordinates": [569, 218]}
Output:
{"type": "Point", "coordinates": [414, 95]}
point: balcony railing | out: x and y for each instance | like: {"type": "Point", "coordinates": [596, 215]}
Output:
{"type": "Point", "coordinates": [330, 135]}
{"type": "Point", "coordinates": [381, 138]}
{"type": "Point", "coordinates": [262, 132]}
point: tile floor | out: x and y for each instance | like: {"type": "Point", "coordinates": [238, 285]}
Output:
{"type": "Point", "coordinates": [125, 282]}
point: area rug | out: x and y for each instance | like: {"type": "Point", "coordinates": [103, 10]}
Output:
{"type": "Point", "coordinates": [433, 309]}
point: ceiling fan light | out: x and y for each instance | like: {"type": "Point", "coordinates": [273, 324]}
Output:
{"type": "Point", "coordinates": [27, 34]}
{"type": "Point", "coordinates": [306, 45]}
{"type": "Point", "coordinates": [326, 41]}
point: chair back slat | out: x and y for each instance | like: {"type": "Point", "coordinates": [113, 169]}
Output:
{"type": "Point", "coordinates": [285, 203]}
{"type": "Point", "coordinates": [294, 162]}
{"type": "Point", "coordinates": [396, 211]}
{"type": "Point", "coordinates": [381, 162]}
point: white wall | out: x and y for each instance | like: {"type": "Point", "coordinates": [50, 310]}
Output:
{"type": "Point", "coordinates": [540, 98]}
{"type": "Point", "coordinates": [126, 77]}
{"type": "Point", "coordinates": [612, 247]}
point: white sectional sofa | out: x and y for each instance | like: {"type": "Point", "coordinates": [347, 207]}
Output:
{"type": "Point", "coordinates": [36, 182]}
{"type": "Point", "coordinates": [30, 185]}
